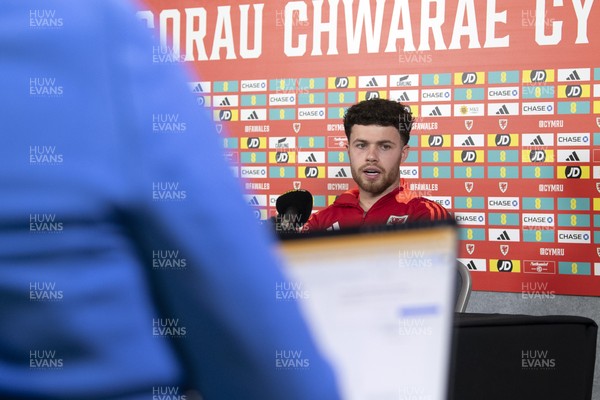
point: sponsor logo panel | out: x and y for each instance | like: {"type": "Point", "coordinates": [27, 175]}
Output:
{"type": "Point", "coordinates": [496, 265]}
{"type": "Point", "coordinates": [436, 172]}
{"type": "Point", "coordinates": [474, 264]}
{"type": "Point", "coordinates": [436, 79]}
{"type": "Point", "coordinates": [574, 268]}
{"type": "Point", "coordinates": [538, 236]}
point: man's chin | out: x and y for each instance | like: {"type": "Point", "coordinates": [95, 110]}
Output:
{"type": "Point", "coordinates": [374, 188]}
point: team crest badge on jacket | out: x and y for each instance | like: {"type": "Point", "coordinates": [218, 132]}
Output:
{"type": "Point", "coordinates": [396, 219]}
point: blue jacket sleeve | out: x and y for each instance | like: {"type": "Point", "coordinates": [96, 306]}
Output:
{"type": "Point", "coordinates": [185, 199]}
{"type": "Point", "coordinates": [84, 152]}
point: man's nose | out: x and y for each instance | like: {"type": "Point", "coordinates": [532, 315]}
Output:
{"type": "Point", "coordinates": [372, 153]}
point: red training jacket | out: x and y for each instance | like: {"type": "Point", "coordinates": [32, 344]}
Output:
{"type": "Point", "coordinates": [397, 207]}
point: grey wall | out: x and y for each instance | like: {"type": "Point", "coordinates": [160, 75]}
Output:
{"type": "Point", "coordinates": [515, 303]}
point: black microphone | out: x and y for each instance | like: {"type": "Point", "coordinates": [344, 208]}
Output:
{"type": "Point", "coordinates": [293, 209]}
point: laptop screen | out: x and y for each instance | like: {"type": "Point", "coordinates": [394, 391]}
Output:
{"type": "Point", "coordinates": [380, 305]}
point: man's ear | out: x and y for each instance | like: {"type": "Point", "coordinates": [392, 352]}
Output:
{"type": "Point", "coordinates": [405, 151]}
{"type": "Point", "coordinates": [348, 151]}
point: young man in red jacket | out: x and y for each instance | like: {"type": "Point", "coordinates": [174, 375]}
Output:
{"type": "Point", "coordinates": [378, 131]}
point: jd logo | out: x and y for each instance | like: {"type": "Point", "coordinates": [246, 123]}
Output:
{"type": "Point", "coordinates": [469, 78]}
{"type": "Point", "coordinates": [282, 157]}
{"type": "Point", "coordinates": [372, 95]}
{"type": "Point", "coordinates": [502, 140]}
{"type": "Point", "coordinates": [436, 141]}
{"type": "Point", "coordinates": [341, 82]}
{"type": "Point", "coordinates": [538, 75]}
{"type": "Point", "coordinates": [468, 156]}
{"type": "Point", "coordinates": [253, 143]}
{"type": "Point", "coordinates": [573, 91]}
{"type": "Point", "coordinates": [311, 172]}
{"type": "Point", "coordinates": [225, 115]}
{"type": "Point", "coordinates": [537, 156]}
{"type": "Point", "coordinates": [504, 265]}
{"type": "Point", "coordinates": [573, 172]}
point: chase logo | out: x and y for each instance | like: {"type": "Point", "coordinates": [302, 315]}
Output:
{"type": "Point", "coordinates": [531, 220]}
{"type": "Point", "coordinates": [505, 266]}
{"type": "Point", "coordinates": [282, 99]}
{"type": "Point", "coordinates": [254, 85]}
{"type": "Point", "coordinates": [311, 113]}
{"type": "Point", "coordinates": [503, 93]}
{"type": "Point", "coordinates": [573, 139]}
{"type": "Point", "coordinates": [537, 108]}
{"type": "Point", "coordinates": [469, 78]}
{"type": "Point", "coordinates": [409, 172]}
{"type": "Point", "coordinates": [568, 236]}
{"type": "Point", "coordinates": [254, 172]}
{"type": "Point", "coordinates": [503, 203]}
{"type": "Point", "coordinates": [464, 218]}
{"type": "Point", "coordinates": [436, 95]}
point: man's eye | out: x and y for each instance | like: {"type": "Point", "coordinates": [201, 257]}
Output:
{"type": "Point", "coordinates": [360, 145]}
{"type": "Point", "coordinates": [386, 147]}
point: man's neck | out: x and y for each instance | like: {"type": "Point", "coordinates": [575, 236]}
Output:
{"type": "Point", "coordinates": [366, 200]}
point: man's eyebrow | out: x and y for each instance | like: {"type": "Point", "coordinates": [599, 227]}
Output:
{"type": "Point", "coordinates": [385, 141]}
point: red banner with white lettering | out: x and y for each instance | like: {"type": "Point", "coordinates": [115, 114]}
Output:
{"type": "Point", "coordinates": [506, 96]}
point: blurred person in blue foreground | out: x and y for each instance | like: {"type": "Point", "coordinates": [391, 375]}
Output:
{"type": "Point", "coordinates": [130, 267]}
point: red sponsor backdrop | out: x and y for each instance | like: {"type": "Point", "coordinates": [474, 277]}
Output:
{"type": "Point", "coordinates": [506, 95]}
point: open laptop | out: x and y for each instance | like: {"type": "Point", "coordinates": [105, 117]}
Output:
{"type": "Point", "coordinates": [380, 304]}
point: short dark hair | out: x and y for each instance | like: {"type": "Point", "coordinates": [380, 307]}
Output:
{"type": "Point", "coordinates": [380, 112]}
